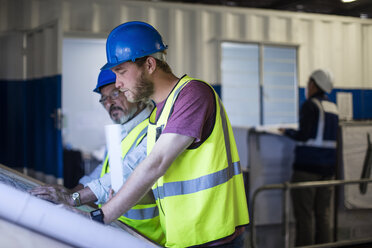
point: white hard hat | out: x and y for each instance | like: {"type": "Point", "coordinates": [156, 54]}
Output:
{"type": "Point", "coordinates": [323, 80]}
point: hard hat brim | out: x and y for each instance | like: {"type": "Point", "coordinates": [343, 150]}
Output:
{"type": "Point", "coordinates": [108, 66]}
{"type": "Point", "coordinates": [105, 77]}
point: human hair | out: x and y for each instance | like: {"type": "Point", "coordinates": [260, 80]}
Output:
{"type": "Point", "coordinates": [162, 64]}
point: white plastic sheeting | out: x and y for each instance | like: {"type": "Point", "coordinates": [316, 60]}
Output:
{"type": "Point", "coordinates": [354, 149]}
{"type": "Point", "coordinates": [54, 221]}
{"type": "Point", "coordinates": [113, 141]}
{"type": "Point", "coordinates": [270, 162]}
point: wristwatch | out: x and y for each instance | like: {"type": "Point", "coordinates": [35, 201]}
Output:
{"type": "Point", "coordinates": [76, 197]}
{"type": "Point", "coordinates": [97, 215]}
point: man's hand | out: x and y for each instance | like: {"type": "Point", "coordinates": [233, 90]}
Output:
{"type": "Point", "coordinates": [62, 189]}
{"type": "Point", "coordinates": [111, 194]}
{"type": "Point", "coordinates": [168, 147]}
{"type": "Point", "coordinates": [281, 130]}
{"type": "Point", "coordinates": [53, 193]}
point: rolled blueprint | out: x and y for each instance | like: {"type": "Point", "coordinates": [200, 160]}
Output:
{"type": "Point", "coordinates": [59, 223]}
{"type": "Point", "coordinates": [113, 139]}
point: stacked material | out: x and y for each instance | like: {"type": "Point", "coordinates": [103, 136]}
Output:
{"type": "Point", "coordinates": [59, 223]}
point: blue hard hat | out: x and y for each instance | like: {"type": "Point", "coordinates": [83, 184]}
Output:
{"type": "Point", "coordinates": [105, 77]}
{"type": "Point", "coordinates": [132, 40]}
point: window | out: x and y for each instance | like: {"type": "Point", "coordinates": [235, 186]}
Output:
{"type": "Point", "coordinates": [259, 83]}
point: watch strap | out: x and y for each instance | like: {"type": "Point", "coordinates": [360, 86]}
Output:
{"type": "Point", "coordinates": [97, 215]}
{"type": "Point", "coordinates": [76, 197]}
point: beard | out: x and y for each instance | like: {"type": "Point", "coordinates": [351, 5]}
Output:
{"type": "Point", "coordinates": [123, 117]}
{"type": "Point", "coordinates": [143, 90]}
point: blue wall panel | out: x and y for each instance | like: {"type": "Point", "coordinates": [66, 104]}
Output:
{"type": "Point", "coordinates": [28, 137]}
{"type": "Point", "coordinates": [12, 123]}
{"type": "Point", "coordinates": [362, 101]}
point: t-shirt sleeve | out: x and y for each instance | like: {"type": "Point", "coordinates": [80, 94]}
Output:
{"type": "Point", "coordinates": [193, 112]}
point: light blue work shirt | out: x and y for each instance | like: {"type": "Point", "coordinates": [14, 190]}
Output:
{"type": "Point", "coordinates": [101, 186]}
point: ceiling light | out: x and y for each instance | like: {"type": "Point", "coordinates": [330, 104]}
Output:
{"type": "Point", "coordinates": [348, 1]}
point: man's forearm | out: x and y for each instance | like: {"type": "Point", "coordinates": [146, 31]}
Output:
{"type": "Point", "coordinates": [138, 184]}
{"type": "Point", "coordinates": [87, 196]}
{"type": "Point", "coordinates": [165, 151]}
{"type": "Point", "coordinates": [77, 188]}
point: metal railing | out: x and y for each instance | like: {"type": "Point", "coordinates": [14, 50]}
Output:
{"type": "Point", "coordinates": [286, 187]}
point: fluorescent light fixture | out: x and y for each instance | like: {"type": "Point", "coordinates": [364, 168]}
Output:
{"type": "Point", "coordinates": [348, 1]}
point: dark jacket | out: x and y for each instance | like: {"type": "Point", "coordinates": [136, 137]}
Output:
{"type": "Point", "coordinates": [312, 154]}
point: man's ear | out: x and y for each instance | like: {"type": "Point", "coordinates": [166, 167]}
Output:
{"type": "Point", "coordinates": [150, 64]}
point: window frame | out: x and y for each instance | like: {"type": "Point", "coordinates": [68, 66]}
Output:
{"type": "Point", "coordinates": [261, 46]}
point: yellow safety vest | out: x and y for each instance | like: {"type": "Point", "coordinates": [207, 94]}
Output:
{"type": "Point", "coordinates": [142, 217]}
{"type": "Point", "coordinates": [201, 197]}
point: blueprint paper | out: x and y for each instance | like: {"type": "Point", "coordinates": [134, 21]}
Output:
{"type": "Point", "coordinates": [113, 139]}
{"type": "Point", "coordinates": [50, 220]}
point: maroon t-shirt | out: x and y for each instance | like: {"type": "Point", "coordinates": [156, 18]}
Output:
{"type": "Point", "coordinates": [194, 112]}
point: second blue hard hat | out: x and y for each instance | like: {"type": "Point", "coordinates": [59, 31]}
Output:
{"type": "Point", "coordinates": [132, 40]}
{"type": "Point", "coordinates": [105, 77]}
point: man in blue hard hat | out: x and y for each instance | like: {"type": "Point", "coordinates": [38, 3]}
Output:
{"type": "Point", "coordinates": [193, 165]}
{"type": "Point", "coordinates": [95, 187]}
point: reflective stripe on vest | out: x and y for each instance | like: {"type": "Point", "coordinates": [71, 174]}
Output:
{"type": "Point", "coordinates": [323, 107]}
{"type": "Point", "coordinates": [201, 197]}
{"type": "Point", "coordinates": [197, 184]}
{"type": "Point", "coordinates": [207, 181]}
{"type": "Point", "coordinates": [142, 217]}
{"type": "Point", "coordinates": [142, 213]}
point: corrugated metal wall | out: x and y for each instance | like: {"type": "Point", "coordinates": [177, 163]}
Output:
{"type": "Point", "coordinates": [30, 93]}
{"type": "Point", "coordinates": [193, 32]}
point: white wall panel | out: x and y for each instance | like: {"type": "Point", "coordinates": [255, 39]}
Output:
{"type": "Point", "coordinates": [49, 10]}
{"type": "Point", "coordinates": [367, 55]}
{"type": "Point", "coordinates": [44, 46]}
{"type": "Point", "coordinates": [277, 29]}
{"type": "Point", "coordinates": [293, 29]}
{"type": "Point", "coordinates": [193, 32]}
{"type": "Point", "coordinates": [211, 66]}
{"type": "Point", "coordinates": [230, 26]}
{"type": "Point", "coordinates": [14, 22]}
{"type": "Point", "coordinates": [304, 51]}
{"type": "Point", "coordinates": [32, 19]}
{"type": "Point", "coordinates": [352, 60]}
{"type": "Point", "coordinates": [257, 27]}
{"type": "Point", "coordinates": [3, 15]}
{"type": "Point", "coordinates": [175, 40]}
{"type": "Point", "coordinates": [11, 62]}
{"type": "Point", "coordinates": [81, 16]}
{"type": "Point", "coordinates": [316, 43]}
{"type": "Point", "coordinates": [105, 16]}
{"type": "Point", "coordinates": [66, 15]}
{"type": "Point", "coordinates": [335, 45]}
